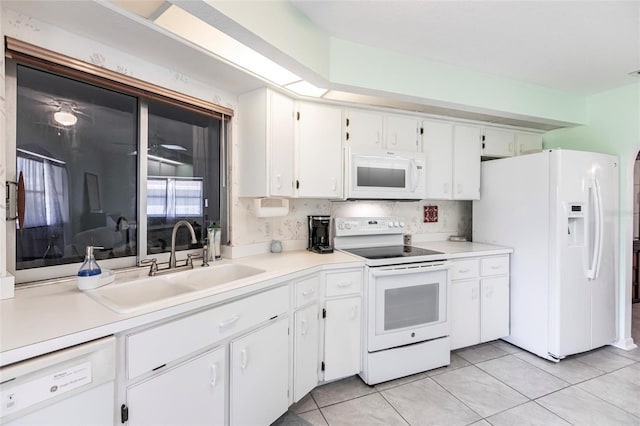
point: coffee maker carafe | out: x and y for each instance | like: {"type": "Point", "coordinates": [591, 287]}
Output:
{"type": "Point", "coordinates": [319, 234]}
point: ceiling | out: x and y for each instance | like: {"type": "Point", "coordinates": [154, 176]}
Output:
{"type": "Point", "coordinates": [581, 47]}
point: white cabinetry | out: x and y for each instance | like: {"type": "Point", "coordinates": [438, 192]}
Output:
{"type": "Point", "coordinates": [306, 335]}
{"type": "Point", "coordinates": [372, 129]}
{"type": "Point", "coordinates": [259, 375]}
{"type": "Point", "coordinates": [528, 142]}
{"type": "Point", "coordinates": [319, 142]}
{"type": "Point", "coordinates": [452, 153]}
{"type": "Point", "coordinates": [479, 300]}
{"type": "Point", "coordinates": [188, 394]}
{"type": "Point", "coordinates": [342, 324]}
{"type": "Point", "coordinates": [166, 367]}
{"type": "Point", "coordinates": [500, 143]}
{"type": "Point", "coordinates": [266, 144]}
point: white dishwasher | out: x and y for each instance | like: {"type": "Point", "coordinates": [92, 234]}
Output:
{"type": "Point", "coordinates": [73, 386]}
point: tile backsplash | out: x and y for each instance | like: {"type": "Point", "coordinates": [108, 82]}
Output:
{"type": "Point", "coordinates": [454, 218]}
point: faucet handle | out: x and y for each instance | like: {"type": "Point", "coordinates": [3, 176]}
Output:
{"type": "Point", "coordinates": [192, 256]}
{"type": "Point", "coordinates": [154, 265]}
{"type": "Point", "coordinates": [205, 255]}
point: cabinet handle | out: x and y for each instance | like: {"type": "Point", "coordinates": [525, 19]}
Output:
{"type": "Point", "coordinates": [464, 271]}
{"type": "Point", "coordinates": [494, 267]}
{"type": "Point", "coordinates": [354, 313]}
{"type": "Point", "coordinates": [445, 188]}
{"type": "Point", "coordinates": [395, 139]}
{"type": "Point", "coordinates": [511, 147]}
{"type": "Point", "coordinates": [278, 181]}
{"type": "Point", "coordinates": [459, 187]}
{"type": "Point", "coordinates": [228, 322]}
{"type": "Point", "coordinates": [213, 375]}
{"type": "Point", "coordinates": [243, 359]}
{"type": "Point", "coordinates": [474, 294]}
{"type": "Point", "coordinates": [378, 137]}
{"type": "Point", "coordinates": [335, 184]}
{"type": "Point", "coordinates": [308, 292]}
{"type": "Point", "coordinates": [344, 284]}
{"type": "Point", "coordinates": [303, 327]}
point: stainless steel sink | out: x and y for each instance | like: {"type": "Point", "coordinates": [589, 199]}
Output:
{"type": "Point", "coordinates": [127, 296]}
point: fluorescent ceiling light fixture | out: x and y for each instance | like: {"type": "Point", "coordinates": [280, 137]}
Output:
{"type": "Point", "coordinates": [66, 118]}
{"type": "Point", "coordinates": [305, 88]}
{"type": "Point", "coordinates": [173, 147]}
{"type": "Point", "coordinates": [44, 157]}
{"type": "Point", "coordinates": [197, 31]}
{"type": "Point", "coordinates": [164, 160]}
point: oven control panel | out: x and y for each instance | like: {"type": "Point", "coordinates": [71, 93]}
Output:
{"type": "Point", "coordinates": [345, 226]}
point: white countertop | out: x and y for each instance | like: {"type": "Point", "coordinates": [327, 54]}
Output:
{"type": "Point", "coordinates": [46, 318]}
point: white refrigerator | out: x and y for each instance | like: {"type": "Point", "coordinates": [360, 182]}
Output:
{"type": "Point", "coordinates": [558, 209]}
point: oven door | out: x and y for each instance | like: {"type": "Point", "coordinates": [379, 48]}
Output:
{"type": "Point", "coordinates": [385, 175]}
{"type": "Point", "coordinates": [407, 304]}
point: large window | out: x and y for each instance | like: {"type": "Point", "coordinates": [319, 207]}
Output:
{"type": "Point", "coordinates": [91, 175]}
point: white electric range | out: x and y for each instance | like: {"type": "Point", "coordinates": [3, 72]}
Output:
{"type": "Point", "coordinates": [406, 308]}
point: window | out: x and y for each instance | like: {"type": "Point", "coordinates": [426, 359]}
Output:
{"type": "Point", "coordinates": [80, 151]}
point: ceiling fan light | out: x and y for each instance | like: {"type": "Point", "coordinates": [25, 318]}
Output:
{"type": "Point", "coordinates": [65, 118]}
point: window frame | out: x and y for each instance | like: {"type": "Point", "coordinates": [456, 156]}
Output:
{"type": "Point", "coordinates": [68, 271]}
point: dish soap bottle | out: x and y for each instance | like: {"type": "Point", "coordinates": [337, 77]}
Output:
{"type": "Point", "coordinates": [89, 273]}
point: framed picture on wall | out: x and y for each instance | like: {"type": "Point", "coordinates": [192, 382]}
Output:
{"type": "Point", "coordinates": [93, 192]}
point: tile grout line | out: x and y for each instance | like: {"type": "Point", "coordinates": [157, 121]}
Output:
{"type": "Point", "coordinates": [393, 406]}
{"type": "Point", "coordinates": [456, 398]}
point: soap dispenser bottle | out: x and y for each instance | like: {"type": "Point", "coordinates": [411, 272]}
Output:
{"type": "Point", "coordinates": [90, 267]}
{"type": "Point", "coordinates": [90, 275]}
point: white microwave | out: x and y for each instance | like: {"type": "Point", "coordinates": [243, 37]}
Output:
{"type": "Point", "coordinates": [387, 175]}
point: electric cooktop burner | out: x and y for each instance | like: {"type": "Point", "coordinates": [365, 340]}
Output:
{"type": "Point", "coordinates": [389, 252]}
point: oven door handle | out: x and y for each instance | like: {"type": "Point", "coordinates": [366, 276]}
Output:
{"type": "Point", "coordinates": [406, 271]}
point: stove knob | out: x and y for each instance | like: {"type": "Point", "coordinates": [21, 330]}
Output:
{"type": "Point", "coordinates": [341, 226]}
{"type": "Point", "coordinates": [396, 224]}
{"type": "Point", "coordinates": [401, 224]}
{"type": "Point", "coordinates": [347, 225]}
{"type": "Point", "coordinates": [390, 224]}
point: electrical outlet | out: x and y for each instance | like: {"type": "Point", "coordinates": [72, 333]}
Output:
{"type": "Point", "coordinates": [430, 214]}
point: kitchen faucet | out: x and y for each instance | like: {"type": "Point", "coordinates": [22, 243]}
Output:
{"type": "Point", "coordinates": [172, 256]}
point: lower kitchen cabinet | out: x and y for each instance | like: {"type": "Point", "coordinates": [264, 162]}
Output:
{"type": "Point", "coordinates": [479, 300]}
{"type": "Point", "coordinates": [494, 316]}
{"type": "Point", "coordinates": [259, 375]}
{"type": "Point", "coordinates": [342, 338]}
{"type": "Point", "coordinates": [305, 354]}
{"type": "Point", "coordinates": [190, 393]}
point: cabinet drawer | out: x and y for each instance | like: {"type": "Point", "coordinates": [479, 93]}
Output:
{"type": "Point", "coordinates": [497, 265]}
{"type": "Point", "coordinates": [306, 290]}
{"type": "Point", "coordinates": [160, 345]}
{"type": "Point", "coordinates": [341, 283]}
{"type": "Point", "coordinates": [465, 269]}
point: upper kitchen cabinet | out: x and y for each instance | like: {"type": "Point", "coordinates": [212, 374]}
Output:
{"type": "Point", "coordinates": [528, 142]}
{"type": "Point", "coordinates": [363, 128]}
{"type": "Point", "coordinates": [319, 143]}
{"type": "Point", "coordinates": [500, 143]}
{"type": "Point", "coordinates": [452, 153]}
{"type": "Point", "coordinates": [266, 148]}
{"type": "Point", "coordinates": [372, 129]}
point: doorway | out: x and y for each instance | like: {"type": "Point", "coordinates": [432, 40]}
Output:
{"type": "Point", "coordinates": [635, 273]}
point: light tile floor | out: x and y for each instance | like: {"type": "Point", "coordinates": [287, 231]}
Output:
{"type": "Point", "coordinates": [489, 384]}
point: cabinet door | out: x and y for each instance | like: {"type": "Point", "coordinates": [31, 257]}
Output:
{"type": "Point", "coordinates": [528, 142]}
{"type": "Point", "coordinates": [401, 133]}
{"type": "Point", "coordinates": [259, 375]}
{"type": "Point", "coordinates": [319, 151]}
{"type": "Point", "coordinates": [189, 394]}
{"type": "Point", "coordinates": [281, 137]}
{"type": "Point", "coordinates": [498, 143]}
{"type": "Point", "coordinates": [466, 162]}
{"type": "Point", "coordinates": [305, 353]}
{"type": "Point", "coordinates": [495, 308]}
{"type": "Point", "coordinates": [342, 338]}
{"type": "Point", "coordinates": [465, 313]}
{"type": "Point", "coordinates": [363, 128]}
{"type": "Point", "coordinates": [438, 148]}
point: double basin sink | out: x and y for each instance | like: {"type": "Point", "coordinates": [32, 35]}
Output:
{"type": "Point", "coordinates": [130, 295]}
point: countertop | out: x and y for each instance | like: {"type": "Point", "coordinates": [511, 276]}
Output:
{"type": "Point", "coordinates": [46, 318]}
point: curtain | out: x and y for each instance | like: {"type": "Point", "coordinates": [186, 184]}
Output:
{"type": "Point", "coordinates": [46, 192]}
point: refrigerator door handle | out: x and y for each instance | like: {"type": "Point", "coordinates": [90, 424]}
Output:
{"type": "Point", "coordinates": [592, 272]}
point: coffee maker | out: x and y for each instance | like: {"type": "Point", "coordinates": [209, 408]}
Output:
{"type": "Point", "coordinates": [319, 234]}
